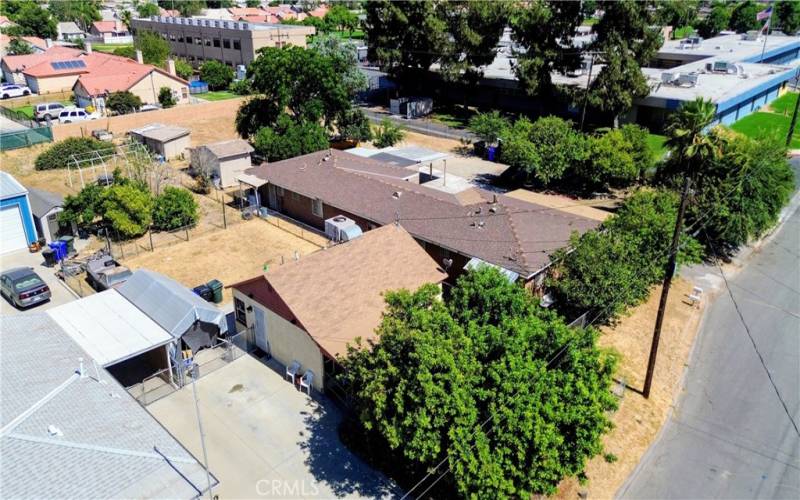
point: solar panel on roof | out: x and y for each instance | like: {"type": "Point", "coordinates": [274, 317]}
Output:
{"type": "Point", "coordinates": [68, 64]}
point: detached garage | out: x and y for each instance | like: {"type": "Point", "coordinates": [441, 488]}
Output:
{"type": "Point", "coordinates": [17, 230]}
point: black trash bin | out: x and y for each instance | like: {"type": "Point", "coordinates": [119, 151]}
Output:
{"type": "Point", "coordinates": [205, 292]}
{"type": "Point", "coordinates": [49, 257]}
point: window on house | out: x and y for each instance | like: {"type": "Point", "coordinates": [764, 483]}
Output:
{"type": "Point", "coordinates": [237, 45]}
{"type": "Point", "coordinates": [198, 40]}
{"type": "Point", "coordinates": [216, 42]}
{"type": "Point", "coordinates": [316, 207]}
{"type": "Point", "coordinates": [208, 42]}
{"type": "Point", "coordinates": [241, 315]}
{"type": "Point", "coordinates": [226, 43]}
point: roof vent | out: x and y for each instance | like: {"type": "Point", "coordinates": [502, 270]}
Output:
{"type": "Point", "coordinates": [54, 431]}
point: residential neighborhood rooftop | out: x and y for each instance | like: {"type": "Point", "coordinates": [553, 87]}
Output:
{"type": "Point", "coordinates": [508, 232]}
{"type": "Point", "coordinates": [160, 132]}
{"type": "Point", "coordinates": [43, 201]}
{"type": "Point", "coordinates": [225, 149]}
{"type": "Point", "coordinates": [68, 435]}
{"type": "Point", "coordinates": [337, 294]}
{"type": "Point", "coordinates": [9, 186]}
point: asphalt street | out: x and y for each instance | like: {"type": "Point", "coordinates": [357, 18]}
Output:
{"type": "Point", "coordinates": [730, 435]}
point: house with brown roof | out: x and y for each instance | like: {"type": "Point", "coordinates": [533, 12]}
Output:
{"type": "Point", "coordinates": [459, 228]}
{"type": "Point", "coordinates": [310, 310]}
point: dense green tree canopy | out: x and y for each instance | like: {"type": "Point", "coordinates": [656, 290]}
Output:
{"type": "Point", "coordinates": [155, 49]}
{"type": "Point", "coordinates": [147, 9]}
{"type": "Point", "coordinates": [217, 75]}
{"type": "Point", "coordinates": [165, 97]}
{"type": "Point", "coordinates": [123, 102]}
{"type": "Point", "coordinates": [340, 18]}
{"type": "Point", "coordinates": [32, 20]}
{"type": "Point", "coordinates": [475, 382]}
{"type": "Point", "coordinates": [677, 13]}
{"type": "Point", "coordinates": [717, 19]}
{"type": "Point", "coordinates": [345, 61]}
{"type": "Point", "coordinates": [787, 15]}
{"type": "Point", "coordinates": [128, 209]}
{"type": "Point", "coordinates": [289, 138]}
{"type": "Point", "coordinates": [187, 8]}
{"type": "Point", "coordinates": [19, 47]}
{"type": "Point", "coordinates": [743, 16]}
{"type": "Point", "coordinates": [174, 208]}
{"type": "Point", "coordinates": [81, 12]}
{"type": "Point", "coordinates": [489, 127]}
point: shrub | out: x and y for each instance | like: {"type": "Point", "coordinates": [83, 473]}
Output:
{"type": "Point", "coordinates": [610, 162]}
{"type": "Point", "coordinates": [183, 69]}
{"type": "Point", "coordinates": [123, 102]}
{"type": "Point", "coordinates": [174, 208]}
{"type": "Point", "coordinates": [216, 74]}
{"type": "Point", "coordinates": [489, 127]}
{"type": "Point", "coordinates": [60, 154]}
{"type": "Point", "coordinates": [354, 125]}
{"type": "Point", "coordinates": [289, 138]}
{"type": "Point", "coordinates": [559, 147]}
{"type": "Point", "coordinates": [128, 209]}
{"type": "Point", "coordinates": [83, 208]}
{"type": "Point", "coordinates": [126, 51]}
{"type": "Point", "coordinates": [242, 87]}
{"type": "Point", "coordinates": [165, 97]}
{"type": "Point", "coordinates": [387, 134]}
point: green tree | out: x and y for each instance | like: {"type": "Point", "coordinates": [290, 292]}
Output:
{"type": "Point", "coordinates": [340, 17]}
{"type": "Point", "coordinates": [123, 102]}
{"type": "Point", "coordinates": [289, 138]}
{"type": "Point", "coordinates": [627, 40]}
{"type": "Point", "coordinates": [128, 209]}
{"type": "Point", "coordinates": [489, 127]}
{"type": "Point", "coordinates": [19, 47]}
{"type": "Point", "coordinates": [32, 20]}
{"type": "Point", "coordinates": [558, 147]}
{"type": "Point", "coordinates": [155, 49]}
{"type": "Point", "coordinates": [687, 138]}
{"type": "Point", "coordinates": [743, 17]}
{"type": "Point", "coordinates": [255, 113]}
{"type": "Point", "coordinates": [677, 13]}
{"type": "Point", "coordinates": [470, 383]}
{"type": "Point", "coordinates": [61, 153]}
{"type": "Point", "coordinates": [183, 69]}
{"type": "Point", "coordinates": [165, 97]}
{"type": "Point", "coordinates": [605, 272]}
{"type": "Point", "coordinates": [241, 87]}
{"type": "Point", "coordinates": [83, 208]}
{"type": "Point", "coordinates": [147, 9]}
{"type": "Point", "coordinates": [126, 51]}
{"type": "Point", "coordinates": [187, 8]}
{"type": "Point", "coordinates": [718, 19]}
{"type": "Point", "coordinates": [252, 4]}
{"type": "Point", "coordinates": [345, 61]}
{"type": "Point", "coordinates": [787, 14]}
{"type": "Point", "coordinates": [217, 75]}
{"type": "Point", "coordinates": [174, 208]}
{"type": "Point", "coordinates": [544, 29]}
{"type": "Point", "coordinates": [637, 137]}
{"type": "Point", "coordinates": [354, 126]}
{"type": "Point", "coordinates": [610, 162]}
{"type": "Point", "coordinates": [81, 12]}
{"type": "Point", "coordinates": [127, 18]}
{"type": "Point", "coordinates": [739, 193]}
{"type": "Point", "coordinates": [303, 81]}
{"type": "Point", "coordinates": [387, 134]}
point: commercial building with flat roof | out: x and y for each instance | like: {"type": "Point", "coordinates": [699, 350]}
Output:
{"type": "Point", "coordinates": [229, 42]}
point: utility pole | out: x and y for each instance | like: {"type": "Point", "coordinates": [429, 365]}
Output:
{"type": "Point", "coordinates": [794, 114]}
{"type": "Point", "coordinates": [588, 84]}
{"type": "Point", "coordinates": [662, 305]}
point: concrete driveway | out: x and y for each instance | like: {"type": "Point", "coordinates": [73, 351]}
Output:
{"type": "Point", "coordinates": [266, 439]}
{"type": "Point", "coordinates": [59, 292]}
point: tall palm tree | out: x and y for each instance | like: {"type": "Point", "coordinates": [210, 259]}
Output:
{"type": "Point", "coordinates": [686, 133]}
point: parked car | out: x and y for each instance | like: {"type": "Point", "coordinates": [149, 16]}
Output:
{"type": "Point", "coordinates": [104, 272]}
{"type": "Point", "coordinates": [23, 287]}
{"type": "Point", "coordinates": [69, 115]}
{"type": "Point", "coordinates": [13, 90]}
{"type": "Point", "coordinates": [48, 110]}
{"type": "Point", "coordinates": [149, 107]}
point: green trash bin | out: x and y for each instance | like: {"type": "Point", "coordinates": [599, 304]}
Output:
{"type": "Point", "coordinates": [70, 241]}
{"type": "Point", "coordinates": [216, 287]}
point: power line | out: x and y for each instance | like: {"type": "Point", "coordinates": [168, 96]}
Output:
{"type": "Point", "coordinates": [755, 346]}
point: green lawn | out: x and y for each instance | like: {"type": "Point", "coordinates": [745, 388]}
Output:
{"type": "Point", "coordinates": [656, 144]}
{"type": "Point", "coordinates": [109, 47]}
{"type": "Point", "coordinates": [762, 124]}
{"type": "Point", "coordinates": [217, 95]}
{"type": "Point", "coordinates": [784, 105]}
{"type": "Point", "coordinates": [355, 34]}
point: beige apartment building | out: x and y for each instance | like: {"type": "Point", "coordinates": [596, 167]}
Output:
{"type": "Point", "coordinates": [230, 42]}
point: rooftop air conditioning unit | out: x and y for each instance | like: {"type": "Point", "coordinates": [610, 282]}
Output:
{"type": "Point", "coordinates": [751, 35]}
{"type": "Point", "coordinates": [687, 80]}
{"type": "Point", "coordinates": [668, 78]}
{"type": "Point", "coordinates": [341, 228]}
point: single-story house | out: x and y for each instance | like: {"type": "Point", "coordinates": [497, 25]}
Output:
{"type": "Point", "coordinates": [111, 31]}
{"type": "Point", "coordinates": [222, 161]}
{"type": "Point", "coordinates": [38, 45]}
{"type": "Point", "coordinates": [14, 66]}
{"type": "Point", "coordinates": [310, 310]}
{"type": "Point", "coordinates": [168, 141]}
{"type": "Point", "coordinates": [70, 31]}
{"type": "Point", "coordinates": [455, 223]}
{"type": "Point", "coordinates": [69, 430]}
{"type": "Point", "coordinates": [17, 229]}
{"type": "Point", "coordinates": [45, 207]}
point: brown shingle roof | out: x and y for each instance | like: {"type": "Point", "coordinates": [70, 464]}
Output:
{"type": "Point", "coordinates": [511, 233]}
{"type": "Point", "coordinates": [233, 147]}
{"type": "Point", "coordinates": [337, 294]}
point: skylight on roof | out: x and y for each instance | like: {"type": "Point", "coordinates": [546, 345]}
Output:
{"type": "Point", "coordinates": [68, 64]}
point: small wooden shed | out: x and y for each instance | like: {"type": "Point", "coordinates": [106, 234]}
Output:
{"type": "Point", "coordinates": [222, 161]}
{"type": "Point", "coordinates": [168, 141]}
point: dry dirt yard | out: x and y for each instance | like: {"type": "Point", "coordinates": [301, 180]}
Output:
{"type": "Point", "coordinates": [638, 420]}
{"type": "Point", "coordinates": [229, 255]}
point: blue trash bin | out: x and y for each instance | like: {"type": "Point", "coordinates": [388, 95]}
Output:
{"type": "Point", "coordinates": [490, 152]}
{"type": "Point", "coordinates": [59, 250]}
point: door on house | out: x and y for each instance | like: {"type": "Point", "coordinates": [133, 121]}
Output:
{"type": "Point", "coordinates": [260, 328]}
{"type": "Point", "coordinates": [273, 199]}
